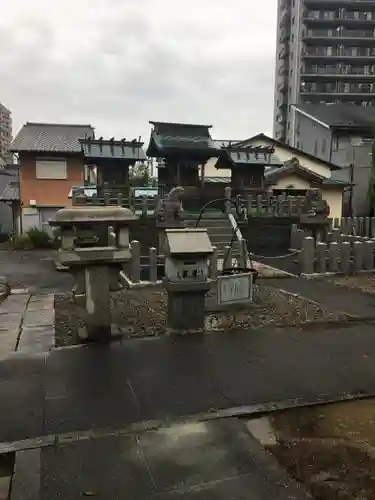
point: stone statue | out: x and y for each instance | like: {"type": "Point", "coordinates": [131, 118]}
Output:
{"type": "Point", "coordinates": [315, 206]}
{"type": "Point", "coordinates": [169, 209]}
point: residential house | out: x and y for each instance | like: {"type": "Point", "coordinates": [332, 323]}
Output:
{"type": "Point", "coordinates": [341, 134]}
{"type": "Point", "coordinates": [9, 197]}
{"type": "Point", "coordinates": [304, 173]}
{"type": "Point", "coordinates": [51, 162]}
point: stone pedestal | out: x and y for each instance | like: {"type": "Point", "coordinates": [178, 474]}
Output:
{"type": "Point", "coordinates": [186, 308]}
{"type": "Point", "coordinates": [97, 303]}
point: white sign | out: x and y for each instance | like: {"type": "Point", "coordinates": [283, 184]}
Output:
{"type": "Point", "coordinates": [235, 289]}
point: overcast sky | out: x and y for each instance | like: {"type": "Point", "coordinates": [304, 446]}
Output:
{"type": "Point", "coordinates": [117, 64]}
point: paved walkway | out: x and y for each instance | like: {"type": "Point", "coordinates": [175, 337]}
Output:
{"type": "Point", "coordinates": [34, 270]}
{"type": "Point", "coordinates": [26, 323]}
{"type": "Point", "coordinates": [207, 460]}
{"type": "Point", "coordinates": [68, 395]}
{"type": "Point", "coordinates": [79, 389]}
{"type": "Point", "coordinates": [349, 301]}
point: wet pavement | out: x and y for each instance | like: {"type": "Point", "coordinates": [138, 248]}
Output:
{"type": "Point", "coordinates": [349, 301]}
{"type": "Point", "coordinates": [78, 389]}
{"type": "Point", "coordinates": [34, 270]}
{"type": "Point", "coordinates": [204, 460]}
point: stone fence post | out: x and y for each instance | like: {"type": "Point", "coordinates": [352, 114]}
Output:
{"type": "Point", "coordinates": [135, 270]}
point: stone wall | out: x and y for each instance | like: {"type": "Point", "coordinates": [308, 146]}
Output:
{"type": "Point", "coordinates": [268, 236]}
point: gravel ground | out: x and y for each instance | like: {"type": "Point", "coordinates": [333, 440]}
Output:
{"type": "Point", "coordinates": [330, 468]}
{"type": "Point", "coordinates": [363, 282]}
{"type": "Point", "coordinates": [143, 311]}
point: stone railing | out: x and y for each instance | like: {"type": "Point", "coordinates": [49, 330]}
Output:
{"type": "Point", "coordinates": [347, 256]}
{"type": "Point", "coordinates": [357, 226]}
{"type": "Point", "coordinates": [146, 271]}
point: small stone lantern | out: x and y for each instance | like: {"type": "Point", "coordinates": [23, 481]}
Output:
{"type": "Point", "coordinates": [95, 263]}
{"type": "Point", "coordinates": [187, 253]}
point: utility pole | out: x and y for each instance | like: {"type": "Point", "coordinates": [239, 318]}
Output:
{"type": "Point", "coordinates": [351, 179]}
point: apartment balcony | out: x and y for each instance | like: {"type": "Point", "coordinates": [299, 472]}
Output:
{"type": "Point", "coordinates": [360, 19]}
{"type": "Point", "coordinates": [282, 86]}
{"type": "Point", "coordinates": [284, 15]}
{"type": "Point", "coordinates": [364, 5]}
{"type": "Point", "coordinates": [284, 69]}
{"type": "Point", "coordinates": [361, 37]}
{"type": "Point", "coordinates": [284, 35]}
{"type": "Point", "coordinates": [339, 55]}
{"type": "Point", "coordinates": [284, 52]}
{"type": "Point", "coordinates": [324, 74]}
{"type": "Point", "coordinates": [352, 94]}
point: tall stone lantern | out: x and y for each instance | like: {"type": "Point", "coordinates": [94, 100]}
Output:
{"type": "Point", "coordinates": [95, 263]}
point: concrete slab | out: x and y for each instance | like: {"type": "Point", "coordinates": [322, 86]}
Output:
{"type": "Point", "coordinates": [37, 339]}
{"type": "Point", "coordinates": [196, 460]}
{"type": "Point", "coordinates": [44, 317]}
{"type": "Point", "coordinates": [14, 304]}
{"type": "Point", "coordinates": [26, 476]}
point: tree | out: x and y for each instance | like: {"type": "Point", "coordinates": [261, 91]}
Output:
{"type": "Point", "coordinates": [139, 175]}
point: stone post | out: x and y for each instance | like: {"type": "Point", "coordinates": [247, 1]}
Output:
{"type": "Point", "coordinates": [368, 255]}
{"type": "Point", "coordinates": [136, 261]}
{"type": "Point", "coordinates": [357, 256]}
{"type": "Point", "coordinates": [228, 198]}
{"type": "Point", "coordinates": [213, 264]}
{"type": "Point", "coordinates": [307, 255]}
{"type": "Point", "coordinates": [153, 265]}
{"type": "Point", "coordinates": [321, 257]}
{"type": "Point", "coordinates": [97, 302]}
{"type": "Point", "coordinates": [345, 258]}
{"type": "Point", "coordinates": [333, 257]}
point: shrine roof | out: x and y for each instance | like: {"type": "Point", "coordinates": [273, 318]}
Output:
{"type": "Point", "coordinates": [247, 156]}
{"type": "Point", "coordinates": [180, 138]}
{"type": "Point", "coordinates": [113, 149]}
{"type": "Point", "coordinates": [294, 167]}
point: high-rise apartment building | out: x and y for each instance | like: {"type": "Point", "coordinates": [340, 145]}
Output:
{"type": "Point", "coordinates": [5, 131]}
{"type": "Point", "coordinates": [325, 55]}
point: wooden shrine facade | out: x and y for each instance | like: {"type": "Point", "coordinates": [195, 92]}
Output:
{"type": "Point", "coordinates": [112, 159]}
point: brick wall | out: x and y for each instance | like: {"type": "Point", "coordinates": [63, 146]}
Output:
{"type": "Point", "coordinates": [48, 191]}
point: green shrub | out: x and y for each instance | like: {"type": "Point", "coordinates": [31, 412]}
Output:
{"type": "Point", "coordinates": [20, 241]}
{"type": "Point", "coordinates": [39, 238]}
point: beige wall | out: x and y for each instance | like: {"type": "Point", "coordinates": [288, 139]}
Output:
{"type": "Point", "coordinates": [285, 154]}
{"type": "Point", "coordinates": [294, 180]}
{"type": "Point", "coordinates": [334, 199]}
{"type": "Point", "coordinates": [333, 196]}
{"type": "Point", "coordinates": [211, 171]}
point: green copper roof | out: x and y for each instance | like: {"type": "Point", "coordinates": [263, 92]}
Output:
{"type": "Point", "coordinates": [122, 150]}
{"type": "Point", "coordinates": [180, 138]}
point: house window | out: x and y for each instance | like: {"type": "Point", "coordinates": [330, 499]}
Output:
{"type": "Point", "coordinates": [51, 169]}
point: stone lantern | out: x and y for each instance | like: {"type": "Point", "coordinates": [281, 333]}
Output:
{"type": "Point", "coordinates": [94, 260]}
{"type": "Point", "coordinates": [187, 253]}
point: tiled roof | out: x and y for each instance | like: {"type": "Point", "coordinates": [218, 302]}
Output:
{"type": "Point", "coordinates": [51, 137]}
{"type": "Point", "coordinates": [224, 143]}
{"type": "Point", "coordinates": [254, 158]}
{"type": "Point", "coordinates": [125, 150]}
{"type": "Point", "coordinates": [180, 137]}
{"type": "Point", "coordinates": [273, 174]}
{"type": "Point", "coordinates": [11, 192]}
{"type": "Point", "coordinates": [276, 143]}
{"type": "Point", "coordinates": [341, 115]}
{"type": "Point", "coordinates": [217, 180]}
